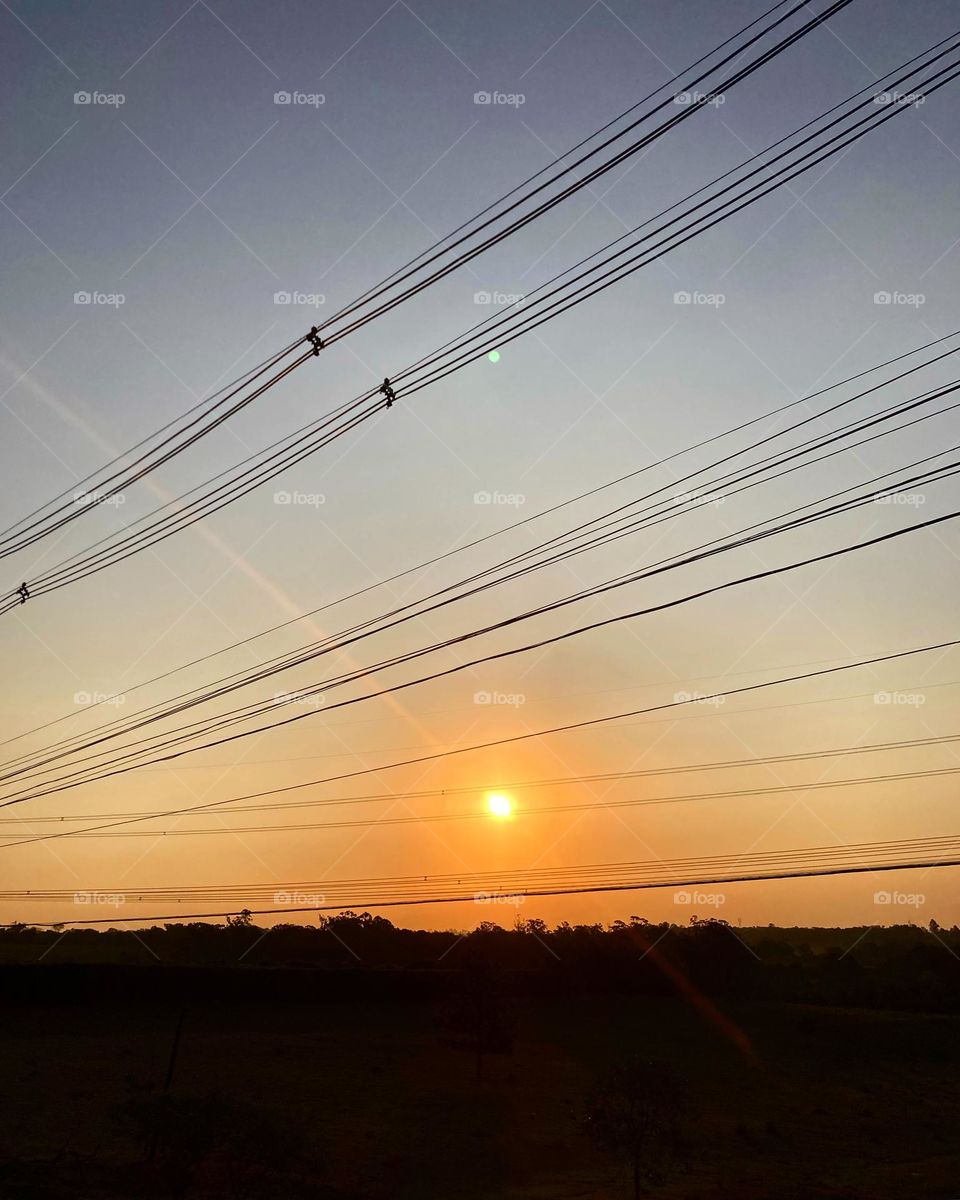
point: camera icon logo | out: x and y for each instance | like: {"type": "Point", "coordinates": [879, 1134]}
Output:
{"type": "Point", "coordinates": [282, 98]}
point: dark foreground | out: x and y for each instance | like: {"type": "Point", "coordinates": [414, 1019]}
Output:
{"type": "Point", "coordinates": [336, 1086]}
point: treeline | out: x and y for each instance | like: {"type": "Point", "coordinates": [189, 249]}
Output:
{"type": "Point", "coordinates": [903, 966]}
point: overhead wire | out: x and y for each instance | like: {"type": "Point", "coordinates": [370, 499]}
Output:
{"type": "Point", "coordinates": [473, 887]}
{"type": "Point", "coordinates": [677, 703]}
{"type": "Point", "coordinates": [270, 474]}
{"type": "Point", "coordinates": [597, 806]}
{"type": "Point", "coordinates": [662, 461]}
{"type": "Point", "coordinates": [256, 708]}
{"type": "Point", "coordinates": [512, 785]}
{"type": "Point", "coordinates": [26, 529]}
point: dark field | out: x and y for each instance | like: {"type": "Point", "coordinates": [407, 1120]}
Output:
{"type": "Point", "coordinates": [343, 1097]}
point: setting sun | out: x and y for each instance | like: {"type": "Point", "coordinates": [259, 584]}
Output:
{"type": "Point", "coordinates": [499, 804]}
{"type": "Point", "coordinates": [378, 587]}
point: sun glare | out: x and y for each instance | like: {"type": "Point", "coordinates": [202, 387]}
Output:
{"type": "Point", "coordinates": [499, 804]}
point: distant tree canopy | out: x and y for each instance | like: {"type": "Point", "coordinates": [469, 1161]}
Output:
{"type": "Point", "coordinates": [903, 966]}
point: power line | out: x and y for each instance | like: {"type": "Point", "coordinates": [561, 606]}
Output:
{"type": "Point", "coordinates": [175, 737]}
{"type": "Point", "coordinates": [148, 461]}
{"type": "Point", "coordinates": [520, 737]}
{"type": "Point", "coordinates": [615, 275]}
{"type": "Point", "coordinates": [378, 624]}
{"type": "Point", "coordinates": [245, 378]}
{"type": "Point", "coordinates": [870, 857]}
{"type": "Point", "coordinates": [595, 173]}
{"type": "Point", "coordinates": [45, 585]}
{"type": "Point", "coordinates": [528, 520]}
{"type": "Point", "coordinates": [760, 156]}
{"type": "Point", "coordinates": [501, 877]}
{"type": "Point", "coordinates": [392, 277]}
{"type": "Point", "coordinates": [111, 484]}
{"type": "Point", "coordinates": [524, 813]}
{"type": "Point", "coordinates": [523, 784]}
{"type": "Point", "coordinates": [248, 711]}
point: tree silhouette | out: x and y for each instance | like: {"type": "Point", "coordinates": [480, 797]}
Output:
{"type": "Point", "coordinates": [637, 1113]}
{"type": "Point", "coordinates": [478, 1016]}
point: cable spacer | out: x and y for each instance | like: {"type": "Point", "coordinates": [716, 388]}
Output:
{"type": "Point", "coordinates": [24, 593]}
{"type": "Point", "coordinates": [315, 340]}
{"type": "Point", "coordinates": [387, 390]}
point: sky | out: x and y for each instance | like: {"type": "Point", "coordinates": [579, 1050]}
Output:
{"type": "Point", "coordinates": [190, 202]}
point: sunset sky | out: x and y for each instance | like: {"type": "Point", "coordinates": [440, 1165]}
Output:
{"type": "Point", "coordinates": [194, 199]}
